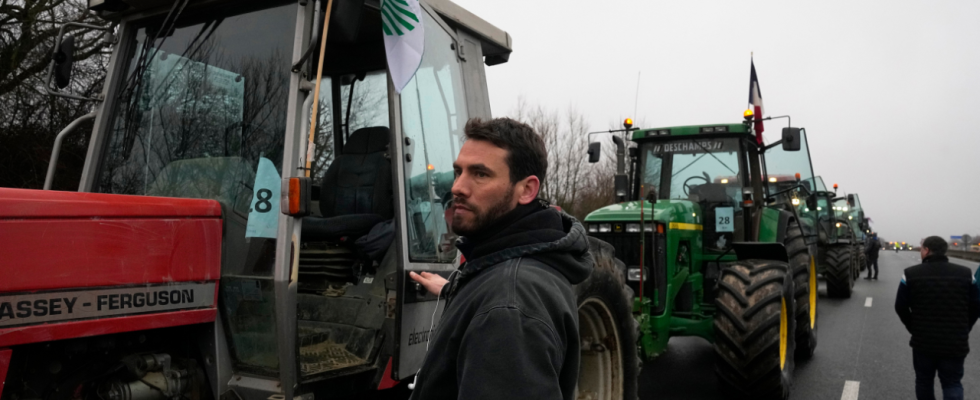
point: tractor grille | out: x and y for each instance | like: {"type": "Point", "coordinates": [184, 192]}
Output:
{"type": "Point", "coordinates": [655, 275]}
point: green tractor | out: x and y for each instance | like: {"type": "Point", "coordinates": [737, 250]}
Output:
{"type": "Point", "coordinates": [858, 228]}
{"type": "Point", "coordinates": [839, 244]}
{"type": "Point", "coordinates": [711, 250]}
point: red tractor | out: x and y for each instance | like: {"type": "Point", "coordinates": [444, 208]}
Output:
{"type": "Point", "coordinates": [220, 247]}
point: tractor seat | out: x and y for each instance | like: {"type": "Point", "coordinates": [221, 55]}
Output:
{"type": "Point", "coordinates": [355, 193]}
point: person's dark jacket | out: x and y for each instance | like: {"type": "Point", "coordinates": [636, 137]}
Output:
{"type": "Point", "coordinates": [871, 250]}
{"type": "Point", "coordinates": [510, 328]}
{"type": "Point", "coordinates": [938, 302]}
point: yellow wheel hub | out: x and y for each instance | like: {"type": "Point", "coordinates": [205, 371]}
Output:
{"type": "Point", "coordinates": [782, 335]}
{"type": "Point", "coordinates": [813, 293]}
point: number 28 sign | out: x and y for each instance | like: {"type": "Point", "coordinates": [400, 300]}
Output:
{"type": "Point", "coordinates": [724, 219]}
{"type": "Point", "coordinates": [263, 216]}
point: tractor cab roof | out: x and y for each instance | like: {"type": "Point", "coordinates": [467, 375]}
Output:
{"type": "Point", "coordinates": [690, 130]}
{"type": "Point", "coordinates": [496, 43]}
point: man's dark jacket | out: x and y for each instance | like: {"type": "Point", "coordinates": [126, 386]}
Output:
{"type": "Point", "coordinates": [510, 328]}
{"type": "Point", "coordinates": [938, 302]}
{"type": "Point", "coordinates": [871, 250]}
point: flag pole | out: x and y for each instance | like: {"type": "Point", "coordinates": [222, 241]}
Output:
{"type": "Point", "coordinates": [316, 89]}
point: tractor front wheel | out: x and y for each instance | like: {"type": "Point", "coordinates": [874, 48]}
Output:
{"type": "Point", "coordinates": [839, 271]}
{"type": "Point", "coordinates": [609, 365]}
{"type": "Point", "coordinates": [754, 329]}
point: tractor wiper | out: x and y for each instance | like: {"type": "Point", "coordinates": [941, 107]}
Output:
{"type": "Point", "coordinates": [715, 157]}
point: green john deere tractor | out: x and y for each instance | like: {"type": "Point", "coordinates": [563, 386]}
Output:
{"type": "Point", "coordinates": [710, 249]}
{"type": "Point", "coordinates": [849, 206]}
{"type": "Point", "coordinates": [839, 243]}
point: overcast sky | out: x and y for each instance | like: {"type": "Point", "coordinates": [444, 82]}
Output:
{"type": "Point", "coordinates": [889, 92]}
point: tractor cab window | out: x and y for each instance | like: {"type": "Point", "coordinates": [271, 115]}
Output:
{"type": "Point", "coordinates": [699, 169]}
{"type": "Point", "coordinates": [706, 172]}
{"type": "Point", "coordinates": [201, 113]}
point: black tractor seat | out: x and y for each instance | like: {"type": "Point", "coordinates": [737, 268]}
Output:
{"type": "Point", "coordinates": [356, 193]}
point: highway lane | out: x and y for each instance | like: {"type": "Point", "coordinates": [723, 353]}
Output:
{"type": "Point", "coordinates": [866, 345]}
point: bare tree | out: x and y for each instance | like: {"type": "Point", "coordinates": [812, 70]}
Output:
{"type": "Point", "coordinates": [571, 182]}
{"type": "Point", "coordinates": [29, 118]}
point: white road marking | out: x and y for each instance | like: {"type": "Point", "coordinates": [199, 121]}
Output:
{"type": "Point", "coordinates": [850, 389]}
{"type": "Point", "coordinates": [867, 302]}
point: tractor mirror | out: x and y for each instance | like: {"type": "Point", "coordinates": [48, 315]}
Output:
{"type": "Point", "coordinates": [850, 200]}
{"type": "Point", "coordinates": [63, 59]}
{"type": "Point", "coordinates": [811, 203]}
{"type": "Point", "coordinates": [594, 152]}
{"type": "Point", "coordinates": [791, 139]}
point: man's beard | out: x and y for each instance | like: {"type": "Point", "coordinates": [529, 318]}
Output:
{"type": "Point", "coordinates": [482, 218]}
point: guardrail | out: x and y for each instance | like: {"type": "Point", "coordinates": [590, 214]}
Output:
{"type": "Point", "coordinates": [964, 255]}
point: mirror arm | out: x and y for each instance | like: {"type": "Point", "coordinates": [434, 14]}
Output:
{"type": "Point", "coordinates": [54, 51]}
{"type": "Point", "coordinates": [53, 162]}
{"type": "Point", "coordinates": [774, 144]}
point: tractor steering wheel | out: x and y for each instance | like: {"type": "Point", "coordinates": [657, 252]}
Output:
{"type": "Point", "coordinates": [687, 182]}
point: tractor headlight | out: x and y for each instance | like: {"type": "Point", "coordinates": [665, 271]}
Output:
{"type": "Point", "coordinates": [633, 228]}
{"type": "Point", "coordinates": [593, 228]}
{"type": "Point", "coordinates": [605, 228]}
{"type": "Point", "coordinates": [633, 274]}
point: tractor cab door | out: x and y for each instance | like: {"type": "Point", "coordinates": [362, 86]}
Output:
{"type": "Point", "coordinates": [431, 113]}
{"type": "Point", "coordinates": [782, 166]}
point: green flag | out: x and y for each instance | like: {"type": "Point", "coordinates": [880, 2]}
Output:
{"type": "Point", "coordinates": [401, 21]}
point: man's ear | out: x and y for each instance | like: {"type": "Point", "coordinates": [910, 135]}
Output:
{"type": "Point", "coordinates": [527, 189]}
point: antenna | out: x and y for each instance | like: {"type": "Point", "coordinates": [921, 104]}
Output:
{"type": "Point", "coordinates": [636, 100]}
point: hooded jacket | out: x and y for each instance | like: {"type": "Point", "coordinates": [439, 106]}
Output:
{"type": "Point", "coordinates": [510, 327]}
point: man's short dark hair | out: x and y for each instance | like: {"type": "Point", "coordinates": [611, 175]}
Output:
{"type": "Point", "coordinates": [526, 154]}
{"type": "Point", "coordinates": [936, 245]}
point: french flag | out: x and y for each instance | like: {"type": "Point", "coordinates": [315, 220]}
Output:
{"type": "Point", "coordinates": [755, 102]}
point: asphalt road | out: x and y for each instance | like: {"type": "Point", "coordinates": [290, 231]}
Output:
{"type": "Point", "coordinates": [866, 345]}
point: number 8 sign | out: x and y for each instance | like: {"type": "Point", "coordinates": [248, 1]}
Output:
{"type": "Point", "coordinates": [263, 216]}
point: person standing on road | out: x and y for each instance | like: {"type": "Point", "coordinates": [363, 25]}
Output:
{"type": "Point", "coordinates": [938, 302]}
{"type": "Point", "coordinates": [510, 327]}
{"type": "Point", "coordinates": [871, 251]}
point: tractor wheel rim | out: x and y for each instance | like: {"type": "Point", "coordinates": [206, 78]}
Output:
{"type": "Point", "coordinates": [783, 327]}
{"type": "Point", "coordinates": [601, 363]}
{"type": "Point", "coordinates": [813, 293]}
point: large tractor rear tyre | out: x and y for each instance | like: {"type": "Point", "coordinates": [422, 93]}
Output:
{"type": "Point", "coordinates": [609, 366]}
{"type": "Point", "coordinates": [754, 329]}
{"type": "Point", "coordinates": [862, 259]}
{"type": "Point", "coordinates": [839, 271]}
{"type": "Point", "coordinates": [805, 281]}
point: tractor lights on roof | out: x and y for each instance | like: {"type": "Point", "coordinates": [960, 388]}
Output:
{"type": "Point", "coordinates": [795, 201]}
{"type": "Point", "coordinates": [748, 114]}
{"type": "Point", "coordinates": [773, 180]}
{"type": "Point", "coordinates": [628, 123]}
{"type": "Point", "coordinates": [658, 132]}
{"type": "Point", "coordinates": [714, 129]}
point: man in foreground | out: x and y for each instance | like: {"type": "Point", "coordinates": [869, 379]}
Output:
{"type": "Point", "coordinates": [938, 302]}
{"type": "Point", "coordinates": [510, 328]}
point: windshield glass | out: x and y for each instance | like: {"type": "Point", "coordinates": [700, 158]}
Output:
{"type": "Point", "coordinates": [200, 107]}
{"type": "Point", "coordinates": [693, 163]}
{"type": "Point", "coordinates": [782, 167]}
